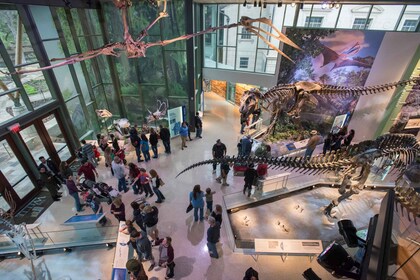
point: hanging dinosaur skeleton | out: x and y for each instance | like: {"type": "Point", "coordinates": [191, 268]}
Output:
{"type": "Point", "coordinates": [137, 48]}
{"type": "Point", "coordinates": [290, 98]}
{"type": "Point", "coordinates": [401, 149]}
{"type": "Point", "coordinates": [160, 113]}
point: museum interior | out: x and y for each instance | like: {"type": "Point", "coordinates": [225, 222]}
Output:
{"type": "Point", "coordinates": [198, 139]}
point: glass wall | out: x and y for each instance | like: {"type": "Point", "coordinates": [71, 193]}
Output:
{"type": "Point", "coordinates": [247, 52]}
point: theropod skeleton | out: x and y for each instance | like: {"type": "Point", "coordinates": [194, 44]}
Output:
{"type": "Point", "coordinates": [400, 149]}
{"type": "Point", "coordinates": [290, 98]}
{"type": "Point", "coordinates": [137, 47]}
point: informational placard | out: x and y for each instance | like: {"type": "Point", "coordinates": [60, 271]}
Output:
{"type": "Point", "coordinates": [175, 120]}
{"type": "Point", "coordinates": [292, 246]}
{"type": "Point", "coordinates": [84, 219]}
{"type": "Point", "coordinates": [338, 123]}
{"type": "Point", "coordinates": [121, 248]}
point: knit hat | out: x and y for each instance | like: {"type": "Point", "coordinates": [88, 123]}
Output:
{"type": "Point", "coordinates": [132, 265]}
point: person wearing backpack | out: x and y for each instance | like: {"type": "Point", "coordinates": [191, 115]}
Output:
{"type": "Point", "coordinates": [150, 220]}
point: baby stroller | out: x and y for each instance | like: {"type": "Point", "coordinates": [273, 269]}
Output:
{"type": "Point", "coordinates": [101, 190]}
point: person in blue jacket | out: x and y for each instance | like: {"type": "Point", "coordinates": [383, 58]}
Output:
{"type": "Point", "coordinates": [197, 201]}
{"type": "Point", "coordinates": [183, 131]}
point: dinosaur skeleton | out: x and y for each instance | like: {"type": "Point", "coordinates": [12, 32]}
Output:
{"type": "Point", "coordinates": [401, 149]}
{"type": "Point", "coordinates": [137, 48]}
{"type": "Point", "coordinates": [290, 98]}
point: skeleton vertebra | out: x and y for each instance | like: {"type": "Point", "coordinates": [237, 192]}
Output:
{"type": "Point", "coordinates": [278, 98]}
{"type": "Point", "coordinates": [402, 149]}
{"type": "Point", "coordinates": [137, 48]}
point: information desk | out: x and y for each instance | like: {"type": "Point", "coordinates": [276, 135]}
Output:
{"type": "Point", "coordinates": [286, 246]}
{"type": "Point", "coordinates": [122, 249]}
{"type": "Point", "coordinates": [84, 219]}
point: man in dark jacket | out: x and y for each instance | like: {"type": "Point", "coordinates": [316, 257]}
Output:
{"type": "Point", "coordinates": [144, 247]}
{"type": "Point", "coordinates": [213, 236]}
{"type": "Point", "coordinates": [138, 215]}
{"type": "Point", "coordinates": [219, 151]}
{"type": "Point", "coordinates": [198, 125]}
{"type": "Point", "coordinates": [165, 136]}
{"type": "Point", "coordinates": [250, 175]}
{"type": "Point", "coordinates": [48, 181]}
{"type": "Point", "coordinates": [51, 168]}
{"type": "Point", "coordinates": [153, 139]}
{"type": "Point", "coordinates": [135, 141]}
{"type": "Point", "coordinates": [150, 220]}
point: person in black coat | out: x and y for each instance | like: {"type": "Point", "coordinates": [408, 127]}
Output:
{"type": "Point", "coordinates": [52, 169]}
{"type": "Point", "coordinates": [250, 175]}
{"type": "Point", "coordinates": [198, 125]}
{"type": "Point", "coordinates": [165, 136]}
{"type": "Point", "coordinates": [153, 139]}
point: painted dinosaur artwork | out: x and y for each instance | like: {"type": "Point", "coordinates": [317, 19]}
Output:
{"type": "Point", "coordinates": [290, 98]}
{"type": "Point", "coordinates": [134, 48]}
{"type": "Point", "coordinates": [344, 58]}
{"type": "Point", "coordinates": [400, 150]}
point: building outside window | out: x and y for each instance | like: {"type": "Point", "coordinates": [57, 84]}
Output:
{"type": "Point", "coordinates": [313, 22]}
{"type": "Point", "coordinates": [243, 62]}
{"type": "Point", "coordinates": [361, 23]}
{"type": "Point", "coordinates": [409, 25]}
{"type": "Point", "coordinates": [245, 34]}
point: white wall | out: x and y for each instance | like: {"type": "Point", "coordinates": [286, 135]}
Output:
{"type": "Point", "coordinates": [391, 62]}
{"type": "Point", "coordinates": [263, 80]}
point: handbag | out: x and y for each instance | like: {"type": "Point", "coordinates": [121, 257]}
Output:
{"type": "Point", "coordinates": [161, 183]}
{"type": "Point", "coordinates": [189, 208]}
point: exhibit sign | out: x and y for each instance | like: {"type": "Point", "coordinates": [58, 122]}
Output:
{"type": "Point", "coordinates": [292, 246]}
{"type": "Point", "coordinates": [339, 122]}
{"type": "Point", "coordinates": [175, 120]}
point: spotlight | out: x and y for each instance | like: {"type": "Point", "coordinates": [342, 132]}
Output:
{"type": "Point", "coordinates": [324, 5]}
{"type": "Point", "coordinates": [279, 4]}
{"type": "Point", "coordinates": [337, 5]}
{"type": "Point", "coordinates": [265, 5]}
{"type": "Point", "coordinates": [67, 249]}
{"type": "Point", "coordinates": [293, 4]}
{"type": "Point", "coordinates": [259, 4]}
{"type": "Point", "coordinates": [109, 245]}
{"type": "Point", "coordinates": [331, 5]}
{"type": "Point", "coordinates": [245, 3]}
{"type": "Point", "coordinates": [255, 3]}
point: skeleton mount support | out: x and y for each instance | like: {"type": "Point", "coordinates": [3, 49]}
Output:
{"type": "Point", "coordinates": [401, 149]}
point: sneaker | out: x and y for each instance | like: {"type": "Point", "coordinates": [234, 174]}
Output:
{"type": "Point", "coordinates": [158, 201]}
{"type": "Point", "coordinates": [225, 185]}
{"type": "Point", "coordinates": [140, 160]}
{"type": "Point", "coordinates": [151, 267]}
{"type": "Point", "coordinates": [219, 180]}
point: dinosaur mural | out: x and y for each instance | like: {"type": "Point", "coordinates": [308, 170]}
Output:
{"type": "Point", "coordinates": [399, 149]}
{"type": "Point", "coordinates": [290, 98]}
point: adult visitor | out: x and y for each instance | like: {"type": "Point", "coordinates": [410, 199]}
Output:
{"type": "Point", "coordinates": [48, 181]}
{"type": "Point", "coordinates": [118, 209]}
{"type": "Point", "coordinates": [144, 146]}
{"type": "Point", "coordinates": [250, 176]}
{"type": "Point", "coordinates": [145, 182]}
{"type": "Point", "coordinates": [218, 151]}
{"type": "Point", "coordinates": [135, 142]}
{"type": "Point", "coordinates": [251, 274]}
{"type": "Point", "coordinates": [150, 220]}
{"type": "Point", "coordinates": [136, 270]}
{"type": "Point", "coordinates": [213, 236]}
{"type": "Point", "coordinates": [65, 170]}
{"type": "Point", "coordinates": [51, 168]}
{"type": "Point", "coordinates": [138, 214]}
{"type": "Point", "coordinates": [119, 173]}
{"type": "Point", "coordinates": [166, 256]}
{"type": "Point", "coordinates": [183, 132]}
{"type": "Point", "coordinates": [197, 202]}
{"type": "Point", "coordinates": [165, 136]}
{"type": "Point", "coordinates": [198, 125]}
{"type": "Point", "coordinates": [217, 213]}
{"type": "Point", "coordinates": [246, 146]}
{"type": "Point", "coordinates": [114, 142]}
{"type": "Point", "coordinates": [88, 170]}
{"type": "Point", "coordinates": [153, 139]}
{"type": "Point", "coordinates": [144, 247]}
{"type": "Point", "coordinates": [327, 143]}
{"type": "Point", "coordinates": [87, 151]}
{"type": "Point", "coordinates": [74, 192]}
{"type": "Point", "coordinates": [313, 141]}
{"type": "Point", "coordinates": [224, 171]}
{"type": "Point", "coordinates": [348, 138]}
{"type": "Point", "coordinates": [156, 182]}
{"type": "Point", "coordinates": [133, 173]}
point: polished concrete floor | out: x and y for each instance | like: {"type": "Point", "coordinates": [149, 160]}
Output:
{"type": "Point", "coordinates": [221, 120]}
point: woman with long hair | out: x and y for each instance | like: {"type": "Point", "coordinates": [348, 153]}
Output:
{"type": "Point", "coordinates": [65, 170]}
{"type": "Point", "coordinates": [118, 209]}
{"type": "Point", "coordinates": [197, 201]}
{"type": "Point", "coordinates": [156, 183]}
{"type": "Point", "coordinates": [133, 173]}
